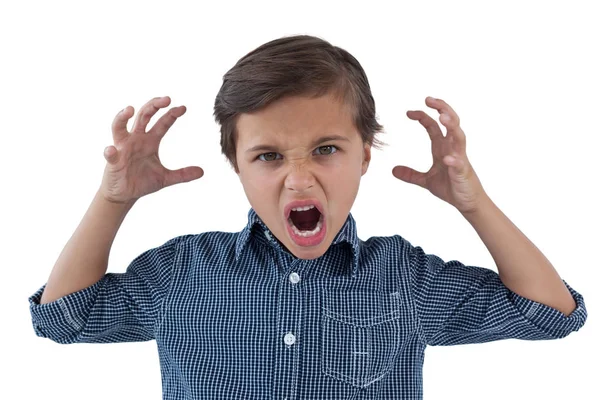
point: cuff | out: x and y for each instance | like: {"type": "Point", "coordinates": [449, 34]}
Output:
{"type": "Point", "coordinates": [551, 320]}
{"type": "Point", "coordinates": [62, 319]}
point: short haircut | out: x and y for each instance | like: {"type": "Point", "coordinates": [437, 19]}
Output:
{"type": "Point", "coordinates": [298, 65]}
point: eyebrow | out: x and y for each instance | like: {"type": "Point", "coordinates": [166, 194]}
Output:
{"type": "Point", "coordinates": [266, 147]}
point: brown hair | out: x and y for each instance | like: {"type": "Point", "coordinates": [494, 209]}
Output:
{"type": "Point", "coordinates": [294, 66]}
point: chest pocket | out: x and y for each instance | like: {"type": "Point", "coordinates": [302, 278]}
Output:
{"type": "Point", "coordinates": [362, 333]}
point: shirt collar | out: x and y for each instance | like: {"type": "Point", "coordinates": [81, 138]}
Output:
{"type": "Point", "coordinates": [347, 234]}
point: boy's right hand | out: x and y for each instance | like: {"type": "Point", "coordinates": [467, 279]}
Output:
{"type": "Point", "coordinates": [134, 169]}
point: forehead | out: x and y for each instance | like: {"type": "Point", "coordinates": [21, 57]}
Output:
{"type": "Point", "coordinates": [295, 119]}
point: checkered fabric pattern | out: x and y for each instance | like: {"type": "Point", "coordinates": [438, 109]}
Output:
{"type": "Point", "coordinates": [236, 316]}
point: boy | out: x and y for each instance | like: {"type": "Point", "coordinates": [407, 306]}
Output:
{"type": "Point", "coordinates": [295, 306]}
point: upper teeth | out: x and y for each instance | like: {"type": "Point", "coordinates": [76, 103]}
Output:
{"type": "Point", "coordinates": [305, 208]}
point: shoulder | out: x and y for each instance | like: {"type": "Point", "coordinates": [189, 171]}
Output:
{"type": "Point", "coordinates": [388, 246]}
{"type": "Point", "coordinates": [206, 245]}
{"type": "Point", "coordinates": [205, 240]}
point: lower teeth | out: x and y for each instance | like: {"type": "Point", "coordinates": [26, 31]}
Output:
{"type": "Point", "coordinates": [306, 233]}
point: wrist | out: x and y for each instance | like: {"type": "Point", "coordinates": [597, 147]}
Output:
{"type": "Point", "coordinates": [114, 207]}
{"type": "Point", "coordinates": [483, 207]}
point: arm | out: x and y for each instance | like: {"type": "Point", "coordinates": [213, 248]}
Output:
{"type": "Point", "coordinates": [84, 259]}
{"type": "Point", "coordinates": [521, 265]}
{"type": "Point", "coordinates": [460, 304]}
{"type": "Point", "coordinates": [80, 301]}
{"type": "Point", "coordinates": [120, 307]}
{"type": "Point", "coordinates": [133, 170]}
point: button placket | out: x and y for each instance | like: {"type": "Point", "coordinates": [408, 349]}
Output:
{"type": "Point", "coordinates": [294, 278]}
{"type": "Point", "coordinates": [290, 323]}
{"type": "Point", "coordinates": [289, 338]}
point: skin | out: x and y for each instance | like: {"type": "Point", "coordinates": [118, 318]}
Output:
{"type": "Point", "coordinates": [522, 267]}
{"type": "Point", "coordinates": [133, 169]}
{"type": "Point", "coordinates": [300, 169]}
{"type": "Point", "coordinates": [292, 124]}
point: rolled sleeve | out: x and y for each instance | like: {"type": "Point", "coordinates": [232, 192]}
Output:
{"type": "Point", "coordinates": [64, 317]}
{"type": "Point", "coordinates": [120, 307]}
{"type": "Point", "coordinates": [460, 304]}
{"type": "Point", "coordinates": [551, 320]}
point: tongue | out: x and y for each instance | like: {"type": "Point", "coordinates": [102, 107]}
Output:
{"type": "Point", "coordinates": [306, 220]}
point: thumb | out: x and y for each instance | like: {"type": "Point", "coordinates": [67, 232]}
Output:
{"type": "Point", "coordinates": [409, 175]}
{"type": "Point", "coordinates": [182, 175]}
{"type": "Point", "coordinates": [111, 154]}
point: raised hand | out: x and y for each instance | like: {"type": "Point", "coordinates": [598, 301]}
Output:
{"type": "Point", "coordinates": [451, 177]}
{"type": "Point", "coordinates": [133, 167]}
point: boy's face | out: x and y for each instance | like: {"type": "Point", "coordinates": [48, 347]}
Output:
{"type": "Point", "coordinates": [301, 152]}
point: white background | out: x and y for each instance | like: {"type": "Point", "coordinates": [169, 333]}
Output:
{"type": "Point", "coordinates": [522, 76]}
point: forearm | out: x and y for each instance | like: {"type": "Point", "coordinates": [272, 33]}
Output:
{"type": "Point", "coordinates": [84, 259]}
{"type": "Point", "coordinates": [521, 265]}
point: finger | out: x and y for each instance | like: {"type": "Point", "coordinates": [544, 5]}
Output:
{"type": "Point", "coordinates": [448, 117]}
{"type": "Point", "coordinates": [409, 175]}
{"type": "Point", "coordinates": [183, 175]}
{"type": "Point", "coordinates": [428, 123]}
{"type": "Point", "coordinates": [166, 121]}
{"type": "Point", "coordinates": [111, 154]}
{"type": "Point", "coordinates": [147, 112]}
{"type": "Point", "coordinates": [119, 125]}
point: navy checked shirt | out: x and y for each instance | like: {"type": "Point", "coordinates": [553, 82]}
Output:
{"type": "Point", "coordinates": [236, 316]}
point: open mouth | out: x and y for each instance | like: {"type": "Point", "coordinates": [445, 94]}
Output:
{"type": "Point", "coordinates": [306, 222]}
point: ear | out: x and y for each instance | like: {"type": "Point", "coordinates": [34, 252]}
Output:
{"type": "Point", "coordinates": [366, 158]}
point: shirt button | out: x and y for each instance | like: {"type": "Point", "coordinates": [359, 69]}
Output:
{"type": "Point", "coordinates": [289, 339]}
{"type": "Point", "coordinates": [294, 278]}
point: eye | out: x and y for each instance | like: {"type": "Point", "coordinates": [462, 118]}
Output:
{"type": "Point", "coordinates": [269, 156]}
{"type": "Point", "coordinates": [326, 150]}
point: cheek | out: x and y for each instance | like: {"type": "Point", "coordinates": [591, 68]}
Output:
{"type": "Point", "coordinates": [258, 187]}
{"type": "Point", "coordinates": [344, 174]}
{"type": "Point", "coordinates": [341, 188]}
{"type": "Point", "coordinates": [347, 188]}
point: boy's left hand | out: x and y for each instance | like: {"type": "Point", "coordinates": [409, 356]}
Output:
{"type": "Point", "coordinates": [451, 177]}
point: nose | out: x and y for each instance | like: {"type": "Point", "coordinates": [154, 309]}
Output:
{"type": "Point", "coordinates": [299, 179]}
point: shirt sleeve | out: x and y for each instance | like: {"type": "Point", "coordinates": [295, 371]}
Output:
{"type": "Point", "coordinates": [120, 307]}
{"type": "Point", "coordinates": [459, 304]}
